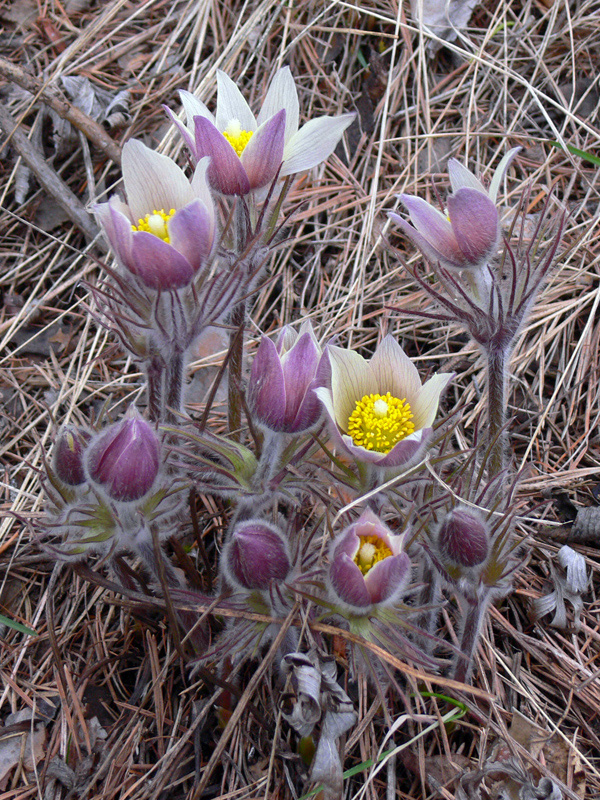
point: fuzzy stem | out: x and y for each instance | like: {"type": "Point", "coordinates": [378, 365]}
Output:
{"type": "Point", "coordinates": [154, 387]}
{"type": "Point", "coordinates": [236, 359]}
{"type": "Point", "coordinates": [430, 596]}
{"type": "Point", "coordinates": [474, 618]}
{"type": "Point", "coordinates": [174, 387]}
{"type": "Point", "coordinates": [497, 375]}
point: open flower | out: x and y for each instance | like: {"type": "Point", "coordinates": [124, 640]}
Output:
{"type": "Point", "coordinates": [379, 410]}
{"type": "Point", "coordinates": [282, 379]}
{"type": "Point", "coordinates": [165, 233]}
{"type": "Point", "coordinates": [247, 151]}
{"type": "Point", "coordinates": [367, 565]}
{"type": "Point", "coordinates": [468, 236]}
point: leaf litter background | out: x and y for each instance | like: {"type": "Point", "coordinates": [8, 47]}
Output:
{"type": "Point", "coordinates": [104, 705]}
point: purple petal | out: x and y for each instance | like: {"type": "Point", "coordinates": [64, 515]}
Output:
{"type": "Point", "coordinates": [475, 224]}
{"type": "Point", "coordinates": [299, 368]}
{"type": "Point", "coordinates": [346, 543]}
{"type": "Point", "coordinates": [388, 578]}
{"type": "Point", "coordinates": [432, 233]}
{"type": "Point", "coordinates": [158, 264]}
{"type": "Point", "coordinates": [404, 454]}
{"type": "Point", "coordinates": [266, 389]}
{"type": "Point", "coordinates": [191, 233]}
{"type": "Point", "coordinates": [187, 135]}
{"type": "Point", "coordinates": [225, 173]}
{"type": "Point", "coordinates": [262, 156]}
{"type": "Point", "coordinates": [117, 228]}
{"type": "Point", "coordinates": [348, 582]}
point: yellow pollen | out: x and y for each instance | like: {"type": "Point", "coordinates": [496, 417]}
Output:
{"type": "Point", "coordinates": [379, 422]}
{"type": "Point", "coordinates": [371, 550]}
{"type": "Point", "coordinates": [236, 137]}
{"type": "Point", "coordinates": [155, 223]}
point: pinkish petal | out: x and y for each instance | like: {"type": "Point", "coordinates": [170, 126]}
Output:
{"type": "Point", "coordinates": [347, 582]}
{"type": "Point", "coordinates": [475, 224]}
{"type": "Point", "coordinates": [430, 252]}
{"type": "Point", "coordinates": [158, 264]}
{"type": "Point", "coordinates": [231, 105]}
{"type": "Point", "coordinates": [434, 234]}
{"type": "Point", "coordinates": [463, 178]}
{"type": "Point", "coordinates": [313, 143]}
{"type": "Point", "coordinates": [117, 227]}
{"type": "Point", "coordinates": [266, 388]}
{"type": "Point", "coordinates": [186, 133]}
{"type": "Point", "coordinates": [262, 155]}
{"type": "Point", "coordinates": [408, 451]}
{"type": "Point", "coordinates": [152, 181]}
{"type": "Point", "coordinates": [347, 542]}
{"type": "Point", "coordinates": [225, 173]}
{"type": "Point", "coordinates": [191, 233]}
{"type": "Point", "coordinates": [351, 379]}
{"type": "Point", "coordinates": [387, 580]}
{"type": "Point", "coordinates": [302, 408]}
{"type": "Point", "coordinates": [426, 406]}
{"type": "Point", "coordinates": [395, 372]}
{"type": "Point", "coordinates": [282, 93]}
{"type": "Point", "coordinates": [194, 107]}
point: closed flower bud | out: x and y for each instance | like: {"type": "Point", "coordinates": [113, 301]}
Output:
{"type": "Point", "coordinates": [125, 459]}
{"type": "Point", "coordinates": [68, 455]}
{"type": "Point", "coordinates": [463, 538]}
{"type": "Point", "coordinates": [367, 565]}
{"type": "Point", "coordinates": [255, 555]}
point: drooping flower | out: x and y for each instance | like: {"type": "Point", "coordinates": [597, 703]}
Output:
{"type": "Point", "coordinates": [378, 409]}
{"type": "Point", "coordinates": [247, 151]}
{"type": "Point", "coordinates": [468, 236]}
{"type": "Point", "coordinates": [367, 565]}
{"type": "Point", "coordinates": [256, 554]}
{"type": "Point", "coordinates": [282, 379]}
{"type": "Point", "coordinates": [166, 231]}
{"type": "Point", "coordinates": [125, 459]}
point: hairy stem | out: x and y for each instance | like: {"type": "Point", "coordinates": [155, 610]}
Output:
{"type": "Point", "coordinates": [236, 360]}
{"type": "Point", "coordinates": [474, 618]}
{"type": "Point", "coordinates": [154, 387]}
{"type": "Point", "coordinates": [497, 375]}
{"type": "Point", "coordinates": [174, 387]}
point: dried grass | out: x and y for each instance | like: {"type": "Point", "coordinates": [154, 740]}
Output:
{"type": "Point", "coordinates": [503, 82]}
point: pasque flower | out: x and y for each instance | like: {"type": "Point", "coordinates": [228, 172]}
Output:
{"type": "Point", "coordinates": [282, 379]}
{"type": "Point", "coordinates": [468, 236]}
{"type": "Point", "coordinates": [463, 539]}
{"type": "Point", "coordinates": [125, 459]}
{"type": "Point", "coordinates": [256, 554]}
{"type": "Point", "coordinates": [68, 454]}
{"type": "Point", "coordinates": [378, 409]}
{"type": "Point", "coordinates": [248, 151]}
{"type": "Point", "coordinates": [165, 232]}
{"type": "Point", "coordinates": [367, 565]}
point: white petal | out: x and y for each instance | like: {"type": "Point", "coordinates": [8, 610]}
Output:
{"type": "Point", "coordinates": [232, 105]}
{"type": "Point", "coordinates": [200, 184]}
{"type": "Point", "coordinates": [282, 94]}
{"type": "Point", "coordinates": [500, 171]}
{"type": "Point", "coordinates": [313, 143]}
{"type": "Point", "coordinates": [395, 372]}
{"type": "Point", "coordinates": [194, 108]}
{"type": "Point", "coordinates": [152, 181]}
{"type": "Point", "coordinates": [426, 405]}
{"type": "Point", "coordinates": [462, 178]}
{"type": "Point", "coordinates": [351, 380]}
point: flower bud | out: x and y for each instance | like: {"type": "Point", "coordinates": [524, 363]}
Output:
{"type": "Point", "coordinates": [125, 459]}
{"type": "Point", "coordinates": [463, 538]}
{"type": "Point", "coordinates": [366, 564]}
{"type": "Point", "coordinates": [68, 455]}
{"type": "Point", "coordinates": [256, 554]}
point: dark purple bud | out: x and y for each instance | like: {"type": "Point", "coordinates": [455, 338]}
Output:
{"type": "Point", "coordinates": [256, 554]}
{"type": "Point", "coordinates": [463, 538]}
{"type": "Point", "coordinates": [68, 455]}
{"type": "Point", "coordinates": [125, 459]}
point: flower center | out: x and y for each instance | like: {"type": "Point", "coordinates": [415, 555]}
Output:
{"type": "Point", "coordinates": [155, 223]}
{"type": "Point", "coordinates": [372, 549]}
{"type": "Point", "coordinates": [379, 422]}
{"type": "Point", "coordinates": [236, 137]}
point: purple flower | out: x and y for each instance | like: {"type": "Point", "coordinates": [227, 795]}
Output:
{"type": "Point", "coordinates": [248, 151]}
{"type": "Point", "coordinates": [463, 539]}
{"type": "Point", "coordinates": [256, 554]}
{"type": "Point", "coordinates": [125, 459]}
{"type": "Point", "coordinates": [166, 231]}
{"type": "Point", "coordinates": [367, 565]}
{"type": "Point", "coordinates": [68, 455]}
{"type": "Point", "coordinates": [282, 379]}
{"type": "Point", "coordinates": [468, 236]}
{"type": "Point", "coordinates": [378, 409]}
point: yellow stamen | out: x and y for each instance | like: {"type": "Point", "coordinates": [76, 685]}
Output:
{"type": "Point", "coordinates": [379, 422]}
{"type": "Point", "coordinates": [155, 223]}
{"type": "Point", "coordinates": [372, 549]}
{"type": "Point", "coordinates": [236, 137]}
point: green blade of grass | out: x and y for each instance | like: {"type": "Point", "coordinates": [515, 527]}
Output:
{"type": "Point", "coordinates": [583, 154]}
{"type": "Point", "coordinates": [16, 625]}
